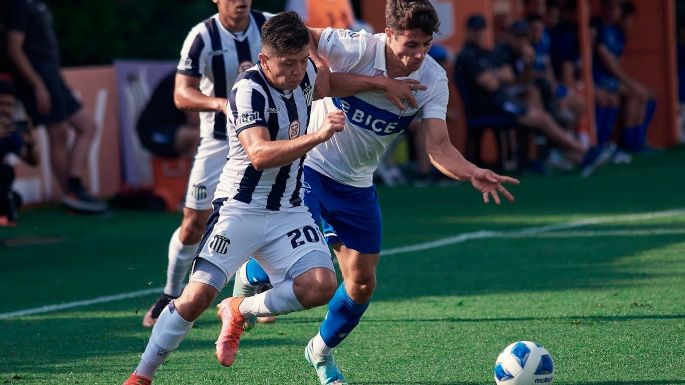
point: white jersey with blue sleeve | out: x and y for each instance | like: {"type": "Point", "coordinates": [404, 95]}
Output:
{"type": "Point", "coordinates": [372, 121]}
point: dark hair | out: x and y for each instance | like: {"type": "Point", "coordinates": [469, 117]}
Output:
{"type": "Point", "coordinates": [405, 15]}
{"type": "Point", "coordinates": [285, 33]}
{"type": "Point", "coordinates": [534, 18]}
{"type": "Point", "coordinates": [552, 4]}
{"type": "Point", "coordinates": [628, 9]}
{"type": "Point", "coordinates": [570, 6]}
{"type": "Point", "coordinates": [7, 88]}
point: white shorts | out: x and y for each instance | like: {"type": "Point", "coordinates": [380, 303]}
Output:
{"type": "Point", "coordinates": [276, 239]}
{"type": "Point", "coordinates": [204, 175]}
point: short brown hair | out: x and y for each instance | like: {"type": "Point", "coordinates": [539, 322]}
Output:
{"type": "Point", "coordinates": [285, 33]}
{"type": "Point", "coordinates": [405, 15]}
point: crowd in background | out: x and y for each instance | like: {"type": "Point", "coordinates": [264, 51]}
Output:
{"type": "Point", "coordinates": [527, 87]}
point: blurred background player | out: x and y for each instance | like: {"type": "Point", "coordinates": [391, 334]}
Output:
{"type": "Point", "coordinates": [15, 138]}
{"type": "Point", "coordinates": [202, 83]}
{"type": "Point", "coordinates": [164, 130]}
{"type": "Point", "coordinates": [33, 51]}
{"type": "Point", "coordinates": [614, 85]}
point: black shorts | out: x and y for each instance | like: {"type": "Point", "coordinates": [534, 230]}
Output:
{"type": "Point", "coordinates": [159, 139]}
{"type": "Point", "coordinates": [504, 111]}
{"type": "Point", "coordinates": [63, 102]}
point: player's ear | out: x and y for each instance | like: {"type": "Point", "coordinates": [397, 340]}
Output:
{"type": "Point", "coordinates": [263, 61]}
{"type": "Point", "coordinates": [388, 32]}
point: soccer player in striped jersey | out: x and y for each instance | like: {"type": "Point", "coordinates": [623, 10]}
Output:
{"type": "Point", "coordinates": [258, 205]}
{"type": "Point", "coordinates": [338, 173]}
{"type": "Point", "coordinates": [214, 53]}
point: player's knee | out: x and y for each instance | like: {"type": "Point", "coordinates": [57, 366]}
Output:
{"type": "Point", "coordinates": [361, 290]}
{"type": "Point", "coordinates": [58, 134]}
{"type": "Point", "coordinates": [191, 231]}
{"type": "Point", "coordinates": [192, 303]}
{"type": "Point", "coordinates": [327, 287]}
{"type": "Point", "coordinates": [315, 287]}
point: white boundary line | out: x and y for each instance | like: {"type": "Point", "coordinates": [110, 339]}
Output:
{"type": "Point", "coordinates": [526, 232]}
{"type": "Point", "coordinates": [62, 306]}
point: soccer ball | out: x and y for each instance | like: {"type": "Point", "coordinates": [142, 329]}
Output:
{"type": "Point", "coordinates": [524, 363]}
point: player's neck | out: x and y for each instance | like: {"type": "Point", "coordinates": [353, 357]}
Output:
{"type": "Point", "coordinates": [235, 25]}
{"type": "Point", "coordinates": [393, 65]}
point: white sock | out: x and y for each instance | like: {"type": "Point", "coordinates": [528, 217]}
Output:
{"type": "Point", "coordinates": [180, 259]}
{"type": "Point", "coordinates": [278, 300]}
{"type": "Point", "coordinates": [319, 347]}
{"type": "Point", "coordinates": [167, 334]}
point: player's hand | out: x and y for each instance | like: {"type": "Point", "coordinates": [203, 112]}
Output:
{"type": "Point", "coordinates": [490, 185]}
{"type": "Point", "coordinates": [43, 100]}
{"type": "Point", "coordinates": [400, 92]}
{"type": "Point", "coordinates": [335, 122]}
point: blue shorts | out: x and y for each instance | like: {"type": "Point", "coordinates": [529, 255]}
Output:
{"type": "Point", "coordinates": [346, 214]}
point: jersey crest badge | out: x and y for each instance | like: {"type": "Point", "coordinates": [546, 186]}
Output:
{"type": "Point", "coordinates": [244, 66]}
{"type": "Point", "coordinates": [220, 244]}
{"type": "Point", "coordinates": [294, 130]}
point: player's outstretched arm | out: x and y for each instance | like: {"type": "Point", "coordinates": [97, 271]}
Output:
{"type": "Point", "coordinates": [398, 92]}
{"type": "Point", "coordinates": [448, 160]}
{"type": "Point", "coordinates": [266, 153]}
{"type": "Point", "coordinates": [187, 96]}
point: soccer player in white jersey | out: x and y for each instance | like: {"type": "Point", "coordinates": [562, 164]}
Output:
{"type": "Point", "coordinates": [214, 53]}
{"type": "Point", "coordinates": [258, 205]}
{"type": "Point", "coordinates": [338, 173]}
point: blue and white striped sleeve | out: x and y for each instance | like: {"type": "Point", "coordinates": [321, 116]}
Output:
{"type": "Point", "coordinates": [192, 54]}
{"type": "Point", "coordinates": [248, 106]}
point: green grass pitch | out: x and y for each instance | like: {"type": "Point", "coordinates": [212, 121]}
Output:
{"type": "Point", "coordinates": [593, 269]}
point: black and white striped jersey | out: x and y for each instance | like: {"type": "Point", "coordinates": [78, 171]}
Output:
{"type": "Point", "coordinates": [254, 102]}
{"type": "Point", "coordinates": [217, 56]}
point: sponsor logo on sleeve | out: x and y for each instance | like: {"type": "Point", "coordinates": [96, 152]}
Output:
{"type": "Point", "coordinates": [185, 64]}
{"type": "Point", "coordinates": [247, 118]}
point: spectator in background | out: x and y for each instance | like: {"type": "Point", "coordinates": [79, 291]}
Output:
{"type": "Point", "coordinates": [165, 130]}
{"type": "Point", "coordinates": [15, 138]}
{"type": "Point", "coordinates": [613, 82]}
{"type": "Point", "coordinates": [483, 86]}
{"type": "Point", "coordinates": [560, 100]}
{"type": "Point", "coordinates": [34, 55]}
{"type": "Point", "coordinates": [681, 79]}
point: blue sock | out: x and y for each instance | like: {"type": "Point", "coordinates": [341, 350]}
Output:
{"type": "Point", "coordinates": [641, 132]}
{"type": "Point", "coordinates": [629, 138]}
{"type": "Point", "coordinates": [343, 315]}
{"type": "Point", "coordinates": [601, 114]}
{"type": "Point", "coordinates": [255, 273]}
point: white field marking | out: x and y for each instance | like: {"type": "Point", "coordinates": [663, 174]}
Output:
{"type": "Point", "coordinates": [530, 231]}
{"type": "Point", "coordinates": [603, 233]}
{"type": "Point", "coordinates": [62, 306]}
{"type": "Point", "coordinates": [527, 232]}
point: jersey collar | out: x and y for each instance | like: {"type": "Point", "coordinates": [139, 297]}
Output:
{"type": "Point", "coordinates": [233, 35]}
